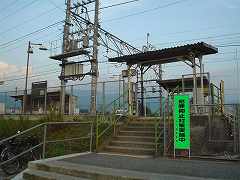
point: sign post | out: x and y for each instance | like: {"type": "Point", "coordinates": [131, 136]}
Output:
{"type": "Point", "coordinates": [181, 123]}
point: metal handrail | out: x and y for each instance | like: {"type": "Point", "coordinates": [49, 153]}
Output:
{"type": "Point", "coordinates": [38, 126]}
{"type": "Point", "coordinates": [21, 133]}
{"type": "Point", "coordinates": [22, 153]}
{"type": "Point", "coordinates": [158, 131]}
{"type": "Point", "coordinates": [112, 124]}
{"type": "Point", "coordinates": [158, 134]}
{"type": "Point", "coordinates": [100, 134]}
{"type": "Point", "coordinates": [110, 104]}
{"type": "Point", "coordinates": [43, 144]}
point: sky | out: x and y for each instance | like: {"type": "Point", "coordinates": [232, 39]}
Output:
{"type": "Point", "coordinates": [169, 22]}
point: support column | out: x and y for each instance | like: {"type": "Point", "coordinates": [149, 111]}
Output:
{"type": "Point", "coordinates": [45, 101]}
{"type": "Point", "coordinates": [71, 101]}
{"type": "Point", "coordinates": [94, 63]}
{"type": "Point", "coordinates": [222, 95]}
{"type": "Point", "coordinates": [136, 95]}
{"type": "Point", "coordinates": [142, 110]}
{"type": "Point", "coordinates": [130, 110]}
{"type": "Point", "coordinates": [103, 98]}
{"type": "Point", "coordinates": [119, 92]}
{"type": "Point", "coordinates": [160, 89]}
{"type": "Point", "coordinates": [194, 83]}
{"type": "Point", "coordinates": [201, 76]}
{"type": "Point", "coordinates": [65, 49]}
{"type": "Point", "coordinates": [123, 96]}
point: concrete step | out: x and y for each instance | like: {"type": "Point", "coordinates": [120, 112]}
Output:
{"type": "Point", "coordinates": [32, 174]}
{"type": "Point", "coordinates": [134, 138]}
{"type": "Point", "coordinates": [130, 150]}
{"type": "Point", "coordinates": [138, 128]}
{"type": "Point", "coordinates": [137, 133]}
{"type": "Point", "coordinates": [133, 144]}
{"type": "Point", "coordinates": [81, 171]}
{"type": "Point", "coordinates": [146, 123]}
{"type": "Point", "coordinates": [145, 119]}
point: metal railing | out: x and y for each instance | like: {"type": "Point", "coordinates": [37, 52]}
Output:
{"type": "Point", "coordinates": [214, 133]}
{"type": "Point", "coordinates": [158, 135]}
{"type": "Point", "coordinates": [43, 144]}
{"type": "Point", "coordinates": [77, 97]}
{"type": "Point", "coordinates": [108, 123]}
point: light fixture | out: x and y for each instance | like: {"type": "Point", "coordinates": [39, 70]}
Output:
{"type": "Point", "coordinates": [42, 48]}
{"type": "Point", "coordinates": [30, 50]}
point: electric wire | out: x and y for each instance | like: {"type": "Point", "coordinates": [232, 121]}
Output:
{"type": "Point", "coordinates": [146, 11]}
{"type": "Point", "coordinates": [27, 21]}
{"type": "Point", "coordinates": [7, 44]}
{"type": "Point", "coordinates": [18, 10]}
{"type": "Point", "coordinates": [12, 3]}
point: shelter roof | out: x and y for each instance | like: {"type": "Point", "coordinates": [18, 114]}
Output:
{"type": "Point", "coordinates": [167, 55]}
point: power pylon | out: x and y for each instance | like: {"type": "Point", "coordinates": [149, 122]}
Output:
{"type": "Point", "coordinates": [82, 38]}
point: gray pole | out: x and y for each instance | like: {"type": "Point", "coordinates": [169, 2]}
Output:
{"type": "Point", "coordinates": [129, 91]}
{"type": "Point", "coordinates": [104, 98]}
{"type": "Point", "coordinates": [64, 49]}
{"type": "Point", "coordinates": [160, 89]}
{"type": "Point", "coordinates": [238, 87]}
{"type": "Point", "coordinates": [194, 84]}
{"type": "Point", "coordinates": [201, 75]}
{"type": "Point", "coordinates": [71, 107]}
{"type": "Point", "coordinates": [142, 112]}
{"type": "Point", "coordinates": [94, 63]}
{"type": "Point", "coordinates": [44, 140]}
{"type": "Point", "coordinates": [45, 101]}
{"type": "Point", "coordinates": [119, 91]}
{"type": "Point", "coordinates": [26, 79]}
{"type": "Point", "coordinates": [123, 90]}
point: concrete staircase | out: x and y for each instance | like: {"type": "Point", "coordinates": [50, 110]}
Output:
{"type": "Point", "coordinates": [136, 138]}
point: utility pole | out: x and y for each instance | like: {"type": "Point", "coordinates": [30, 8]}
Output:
{"type": "Point", "coordinates": [238, 83]}
{"type": "Point", "coordinates": [142, 111]}
{"type": "Point", "coordinates": [160, 89]}
{"type": "Point", "coordinates": [94, 62]}
{"type": "Point", "coordinates": [29, 51]}
{"type": "Point", "coordinates": [64, 50]}
{"type": "Point", "coordinates": [26, 78]}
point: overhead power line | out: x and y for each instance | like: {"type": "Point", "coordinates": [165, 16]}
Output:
{"type": "Point", "coordinates": [18, 72]}
{"type": "Point", "coordinates": [35, 38]}
{"type": "Point", "coordinates": [18, 10]}
{"type": "Point", "coordinates": [147, 11]}
{"type": "Point", "coordinates": [118, 4]}
{"type": "Point", "coordinates": [4, 45]}
{"type": "Point", "coordinates": [104, 7]}
{"type": "Point", "coordinates": [203, 38]}
{"type": "Point", "coordinates": [37, 75]}
{"type": "Point", "coordinates": [8, 5]}
{"type": "Point", "coordinates": [28, 20]}
{"type": "Point", "coordinates": [229, 45]}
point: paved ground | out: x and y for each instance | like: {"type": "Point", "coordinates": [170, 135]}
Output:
{"type": "Point", "coordinates": [2, 175]}
{"type": "Point", "coordinates": [191, 168]}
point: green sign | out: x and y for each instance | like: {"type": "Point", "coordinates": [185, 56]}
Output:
{"type": "Point", "coordinates": [181, 122]}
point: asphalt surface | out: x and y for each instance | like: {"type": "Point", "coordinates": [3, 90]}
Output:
{"type": "Point", "coordinates": [2, 175]}
{"type": "Point", "coordinates": [191, 168]}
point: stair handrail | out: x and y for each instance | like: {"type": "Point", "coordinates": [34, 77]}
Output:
{"type": "Point", "coordinates": [158, 131]}
{"type": "Point", "coordinates": [115, 100]}
{"type": "Point", "coordinates": [112, 124]}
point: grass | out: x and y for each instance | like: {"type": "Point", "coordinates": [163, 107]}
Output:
{"type": "Point", "coordinates": [10, 126]}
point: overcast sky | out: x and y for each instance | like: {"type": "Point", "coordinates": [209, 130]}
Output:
{"type": "Point", "coordinates": [169, 22]}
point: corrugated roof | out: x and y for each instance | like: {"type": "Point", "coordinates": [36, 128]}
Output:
{"type": "Point", "coordinates": [188, 82]}
{"type": "Point", "coordinates": [167, 55]}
